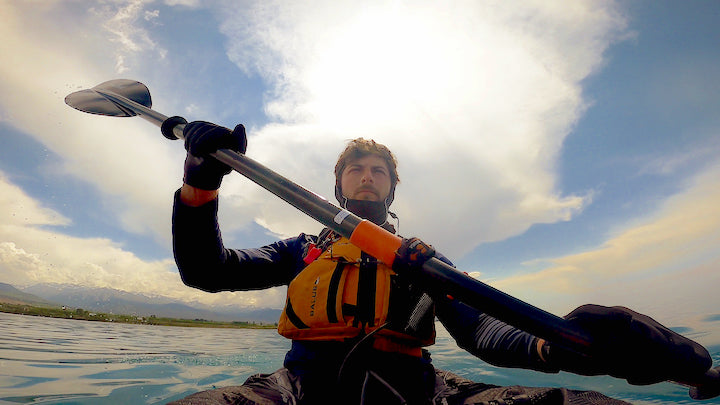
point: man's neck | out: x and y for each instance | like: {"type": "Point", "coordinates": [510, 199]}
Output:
{"type": "Point", "coordinates": [373, 211]}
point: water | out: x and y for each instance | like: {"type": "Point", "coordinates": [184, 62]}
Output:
{"type": "Point", "coordinates": [59, 361]}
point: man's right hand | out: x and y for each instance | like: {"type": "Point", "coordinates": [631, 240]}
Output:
{"type": "Point", "coordinates": [203, 138]}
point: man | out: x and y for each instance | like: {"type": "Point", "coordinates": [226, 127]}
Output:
{"type": "Point", "coordinates": [359, 328]}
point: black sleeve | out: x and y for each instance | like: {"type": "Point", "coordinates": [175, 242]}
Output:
{"type": "Point", "coordinates": [205, 263]}
{"type": "Point", "coordinates": [490, 339]}
{"type": "Point", "coordinates": [487, 338]}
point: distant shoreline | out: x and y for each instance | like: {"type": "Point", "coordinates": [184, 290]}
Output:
{"type": "Point", "coordinates": [83, 315]}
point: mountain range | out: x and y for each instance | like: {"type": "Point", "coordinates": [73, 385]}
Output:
{"type": "Point", "coordinates": [12, 295]}
{"type": "Point", "coordinates": [109, 300]}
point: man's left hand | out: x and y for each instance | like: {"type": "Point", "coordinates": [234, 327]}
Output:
{"type": "Point", "coordinates": [412, 254]}
{"type": "Point", "coordinates": [631, 346]}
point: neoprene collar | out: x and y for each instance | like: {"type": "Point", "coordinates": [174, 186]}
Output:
{"type": "Point", "coordinates": [373, 211]}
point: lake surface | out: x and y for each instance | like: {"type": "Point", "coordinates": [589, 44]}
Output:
{"type": "Point", "coordinates": [61, 361]}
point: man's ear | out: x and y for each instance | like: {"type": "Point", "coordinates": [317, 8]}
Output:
{"type": "Point", "coordinates": [338, 193]}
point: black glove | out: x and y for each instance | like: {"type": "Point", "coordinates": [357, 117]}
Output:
{"type": "Point", "coordinates": [411, 255]}
{"type": "Point", "coordinates": [201, 139]}
{"type": "Point", "coordinates": [629, 345]}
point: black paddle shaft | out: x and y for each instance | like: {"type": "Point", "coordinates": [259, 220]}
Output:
{"type": "Point", "coordinates": [435, 272]}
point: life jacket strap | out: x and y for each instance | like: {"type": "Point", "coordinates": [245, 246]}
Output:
{"type": "Point", "coordinates": [384, 344]}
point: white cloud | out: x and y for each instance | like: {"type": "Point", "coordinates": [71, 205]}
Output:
{"type": "Point", "coordinates": [129, 164]}
{"type": "Point", "coordinates": [18, 209]}
{"type": "Point", "coordinates": [114, 155]}
{"type": "Point", "coordinates": [475, 99]}
{"type": "Point", "coordinates": [683, 157]}
{"type": "Point", "coordinates": [34, 249]}
{"type": "Point", "coordinates": [122, 23]}
{"type": "Point", "coordinates": [186, 3]}
{"type": "Point", "coordinates": [151, 15]}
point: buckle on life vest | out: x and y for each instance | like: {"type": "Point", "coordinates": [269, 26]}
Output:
{"type": "Point", "coordinates": [313, 253]}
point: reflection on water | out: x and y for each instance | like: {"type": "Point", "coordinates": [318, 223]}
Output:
{"type": "Point", "coordinates": [59, 361]}
{"type": "Point", "coordinates": [66, 361]}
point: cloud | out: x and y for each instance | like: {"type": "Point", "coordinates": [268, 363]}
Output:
{"type": "Point", "coordinates": [121, 24]}
{"type": "Point", "coordinates": [475, 99]}
{"type": "Point", "coordinates": [113, 155]}
{"type": "Point", "coordinates": [21, 210]}
{"type": "Point", "coordinates": [186, 3]}
{"type": "Point", "coordinates": [134, 172]}
{"type": "Point", "coordinates": [683, 157]}
{"type": "Point", "coordinates": [34, 249]}
{"type": "Point", "coordinates": [665, 263]}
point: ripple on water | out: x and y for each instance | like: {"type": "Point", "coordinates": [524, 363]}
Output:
{"type": "Point", "coordinates": [57, 361]}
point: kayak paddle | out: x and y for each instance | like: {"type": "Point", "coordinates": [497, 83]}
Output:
{"type": "Point", "coordinates": [128, 98]}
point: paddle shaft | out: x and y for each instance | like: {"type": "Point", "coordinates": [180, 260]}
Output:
{"type": "Point", "coordinates": [382, 244]}
{"type": "Point", "coordinates": [460, 286]}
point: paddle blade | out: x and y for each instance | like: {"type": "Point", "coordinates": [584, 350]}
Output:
{"type": "Point", "coordinates": [90, 101]}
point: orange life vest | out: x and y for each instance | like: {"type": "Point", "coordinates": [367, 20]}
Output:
{"type": "Point", "coordinates": [346, 293]}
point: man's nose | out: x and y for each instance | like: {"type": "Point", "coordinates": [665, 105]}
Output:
{"type": "Point", "coordinates": [367, 177]}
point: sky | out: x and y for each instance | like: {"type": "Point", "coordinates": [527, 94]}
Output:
{"type": "Point", "coordinates": [566, 153]}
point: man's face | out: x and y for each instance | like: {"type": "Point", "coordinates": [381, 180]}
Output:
{"type": "Point", "coordinates": [367, 178]}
